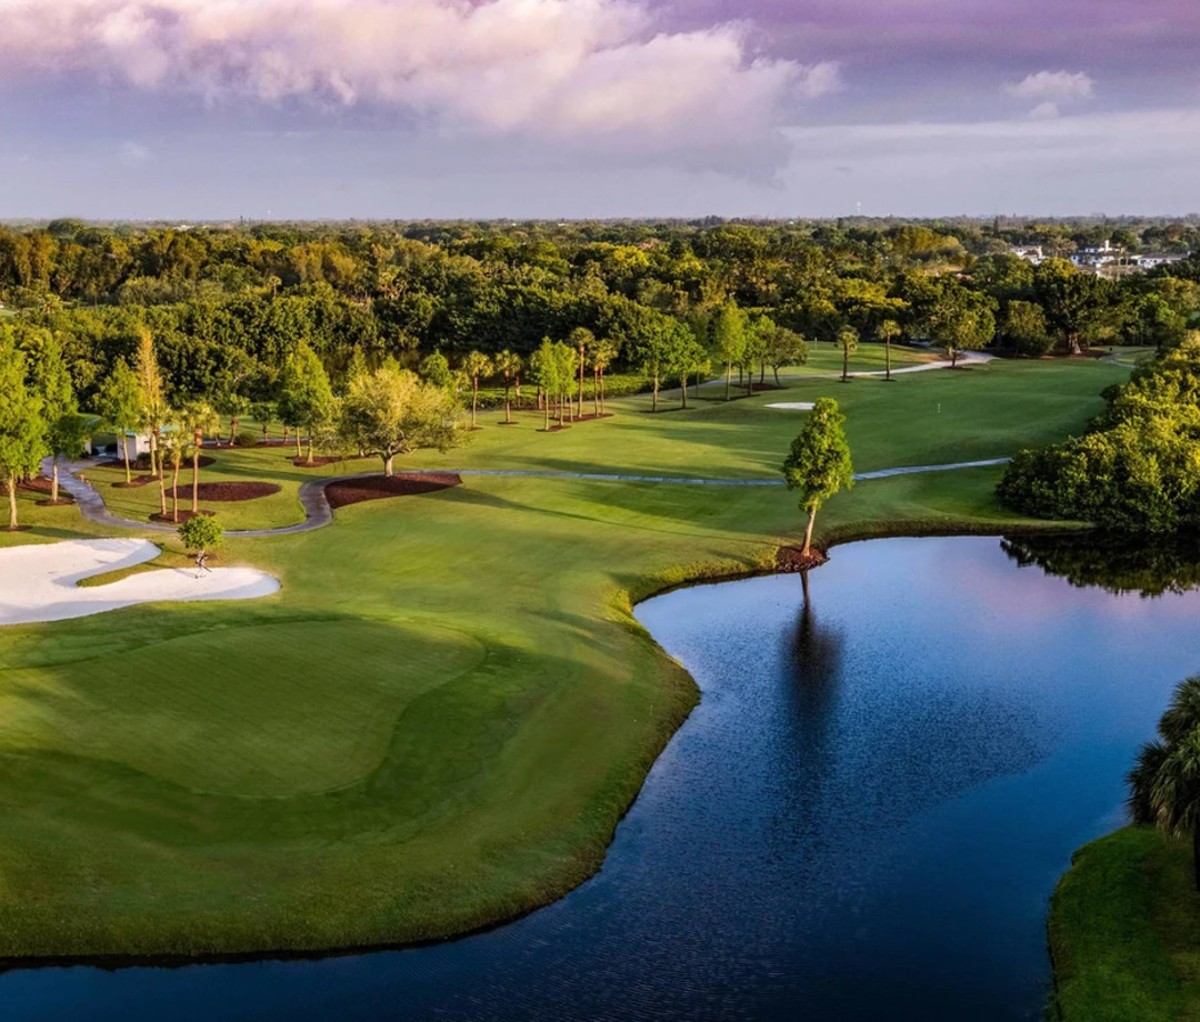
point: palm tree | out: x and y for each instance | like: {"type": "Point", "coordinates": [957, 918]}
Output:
{"type": "Point", "coordinates": [475, 365]}
{"type": "Point", "coordinates": [848, 339]}
{"type": "Point", "coordinates": [1164, 785]}
{"type": "Point", "coordinates": [581, 338]}
{"type": "Point", "coordinates": [887, 331]}
{"type": "Point", "coordinates": [508, 364]}
{"type": "Point", "coordinates": [264, 412]}
{"type": "Point", "coordinates": [198, 420]}
{"type": "Point", "coordinates": [604, 354]}
{"type": "Point", "coordinates": [176, 442]}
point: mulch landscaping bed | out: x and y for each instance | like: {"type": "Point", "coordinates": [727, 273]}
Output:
{"type": "Point", "coordinates": [44, 485]}
{"type": "Point", "coordinates": [135, 482]}
{"type": "Point", "coordinates": [169, 519]}
{"type": "Point", "coordinates": [790, 558]}
{"type": "Point", "coordinates": [355, 491]}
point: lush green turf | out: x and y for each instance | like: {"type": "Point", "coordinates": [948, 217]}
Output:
{"type": "Point", "coordinates": [440, 718]}
{"type": "Point", "coordinates": [1123, 931]}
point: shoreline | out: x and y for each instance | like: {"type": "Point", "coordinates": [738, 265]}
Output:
{"type": "Point", "coordinates": [618, 608]}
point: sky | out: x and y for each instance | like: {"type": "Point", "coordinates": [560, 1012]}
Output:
{"type": "Point", "coordinates": [562, 109]}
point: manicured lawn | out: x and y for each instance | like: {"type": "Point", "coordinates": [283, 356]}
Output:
{"type": "Point", "coordinates": [440, 718]}
{"type": "Point", "coordinates": [1123, 931]}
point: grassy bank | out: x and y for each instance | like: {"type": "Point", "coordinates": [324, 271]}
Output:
{"type": "Point", "coordinates": [1123, 932]}
{"type": "Point", "coordinates": [439, 720]}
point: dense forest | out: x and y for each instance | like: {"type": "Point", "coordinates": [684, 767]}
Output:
{"type": "Point", "coordinates": [226, 305]}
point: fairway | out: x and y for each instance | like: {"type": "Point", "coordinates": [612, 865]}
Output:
{"type": "Point", "coordinates": [441, 718]}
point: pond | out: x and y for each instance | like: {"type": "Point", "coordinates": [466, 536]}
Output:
{"type": "Point", "coordinates": [863, 819]}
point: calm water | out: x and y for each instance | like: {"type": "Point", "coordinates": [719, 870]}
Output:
{"type": "Point", "coordinates": [862, 820]}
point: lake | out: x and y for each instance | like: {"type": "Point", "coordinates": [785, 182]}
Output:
{"type": "Point", "coordinates": [863, 819]}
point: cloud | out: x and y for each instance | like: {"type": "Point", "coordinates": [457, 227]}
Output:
{"type": "Point", "coordinates": [598, 72]}
{"type": "Point", "coordinates": [1053, 86]}
{"type": "Point", "coordinates": [133, 154]}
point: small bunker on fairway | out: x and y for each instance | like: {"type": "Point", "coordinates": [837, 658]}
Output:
{"type": "Point", "coordinates": [355, 491]}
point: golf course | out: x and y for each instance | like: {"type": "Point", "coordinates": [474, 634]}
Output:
{"type": "Point", "coordinates": [438, 720]}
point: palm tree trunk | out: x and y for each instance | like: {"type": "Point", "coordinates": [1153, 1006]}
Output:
{"type": "Point", "coordinates": [175, 492]}
{"type": "Point", "coordinates": [887, 357]}
{"type": "Point", "coordinates": [11, 485]}
{"type": "Point", "coordinates": [507, 402]}
{"type": "Point", "coordinates": [196, 479]}
{"type": "Point", "coordinates": [728, 378]}
{"type": "Point", "coordinates": [298, 451]}
{"type": "Point", "coordinates": [54, 480]}
{"type": "Point", "coordinates": [125, 452]}
{"type": "Point", "coordinates": [546, 422]}
{"type": "Point", "coordinates": [654, 399]}
{"type": "Point", "coordinates": [1196, 856]}
{"type": "Point", "coordinates": [683, 391]}
{"type": "Point", "coordinates": [581, 365]}
{"type": "Point", "coordinates": [845, 363]}
{"type": "Point", "coordinates": [812, 517]}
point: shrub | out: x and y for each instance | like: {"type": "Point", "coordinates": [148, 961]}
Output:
{"type": "Point", "coordinates": [246, 438]}
{"type": "Point", "coordinates": [201, 532]}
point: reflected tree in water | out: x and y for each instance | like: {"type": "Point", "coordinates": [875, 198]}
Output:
{"type": "Point", "coordinates": [1148, 567]}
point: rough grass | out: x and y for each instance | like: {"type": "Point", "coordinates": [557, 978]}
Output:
{"type": "Point", "coordinates": [1123, 932]}
{"type": "Point", "coordinates": [439, 721]}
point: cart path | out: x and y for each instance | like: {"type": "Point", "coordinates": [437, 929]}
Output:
{"type": "Point", "coordinates": [317, 512]}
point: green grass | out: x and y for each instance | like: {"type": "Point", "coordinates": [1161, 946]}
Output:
{"type": "Point", "coordinates": [1123, 931]}
{"type": "Point", "coordinates": [440, 718]}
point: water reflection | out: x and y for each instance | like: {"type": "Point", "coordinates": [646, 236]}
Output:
{"type": "Point", "coordinates": [1116, 564]}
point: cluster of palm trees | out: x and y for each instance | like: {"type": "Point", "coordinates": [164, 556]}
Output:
{"type": "Point", "coordinates": [134, 399]}
{"type": "Point", "coordinates": [558, 368]}
{"type": "Point", "coordinates": [1164, 785]}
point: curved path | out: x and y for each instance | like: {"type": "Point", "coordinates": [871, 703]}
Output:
{"type": "Point", "coordinates": [317, 512]}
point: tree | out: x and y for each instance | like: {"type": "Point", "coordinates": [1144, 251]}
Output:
{"type": "Point", "coordinates": [689, 359]}
{"type": "Point", "coordinates": [658, 351]}
{"type": "Point", "coordinates": [22, 428]}
{"type": "Point", "coordinates": [234, 405]}
{"type": "Point", "coordinates": [543, 364]}
{"type": "Point", "coordinates": [581, 339]}
{"type": "Point", "coordinates": [392, 411]}
{"type": "Point", "coordinates": [729, 339]}
{"type": "Point", "coordinates": [176, 445]}
{"type": "Point", "coordinates": [962, 320]}
{"type": "Point", "coordinates": [306, 398]}
{"type": "Point", "coordinates": [436, 370]}
{"type": "Point", "coordinates": [785, 348]}
{"type": "Point", "coordinates": [66, 429]}
{"type": "Point", "coordinates": [847, 339]}
{"type": "Point", "coordinates": [1024, 328]}
{"type": "Point", "coordinates": [509, 366]}
{"type": "Point", "coordinates": [197, 420]}
{"type": "Point", "coordinates": [201, 533]}
{"type": "Point", "coordinates": [1073, 301]}
{"type": "Point", "coordinates": [119, 402]}
{"type": "Point", "coordinates": [154, 400]}
{"type": "Point", "coordinates": [604, 353]}
{"type": "Point", "coordinates": [1164, 785]}
{"type": "Point", "coordinates": [264, 414]}
{"type": "Point", "coordinates": [886, 332]}
{"type": "Point", "coordinates": [818, 465]}
{"type": "Point", "coordinates": [566, 356]}
{"type": "Point", "coordinates": [475, 365]}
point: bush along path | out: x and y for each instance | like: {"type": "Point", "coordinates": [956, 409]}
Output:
{"type": "Point", "coordinates": [318, 513]}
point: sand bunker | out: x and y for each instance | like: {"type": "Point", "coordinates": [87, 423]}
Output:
{"type": "Point", "coordinates": [37, 582]}
{"type": "Point", "coordinates": [793, 406]}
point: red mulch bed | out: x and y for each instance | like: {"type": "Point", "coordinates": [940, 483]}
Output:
{"type": "Point", "coordinates": [169, 519]}
{"type": "Point", "coordinates": [135, 482]}
{"type": "Point", "coordinates": [790, 558]}
{"type": "Point", "coordinates": [225, 492]}
{"type": "Point", "coordinates": [355, 491]}
{"type": "Point", "coordinates": [43, 485]}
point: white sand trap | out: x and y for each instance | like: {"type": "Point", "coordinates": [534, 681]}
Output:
{"type": "Point", "coordinates": [794, 406]}
{"type": "Point", "coordinates": [37, 583]}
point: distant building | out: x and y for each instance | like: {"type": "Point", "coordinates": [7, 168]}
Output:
{"type": "Point", "coordinates": [1030, 253]}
